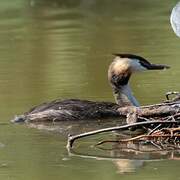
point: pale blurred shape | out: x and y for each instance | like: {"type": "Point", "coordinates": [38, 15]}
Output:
{"type": "Point", "coordinates": [175, 19]}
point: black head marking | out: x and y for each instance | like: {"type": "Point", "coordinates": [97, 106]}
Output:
{"type": "Point", "coordinates": [120, 80]}
{"type": "Point", "coordinates": [142, 61]}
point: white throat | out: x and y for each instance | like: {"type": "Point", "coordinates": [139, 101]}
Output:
{"type": "Point", "coordinates": [126, 90]}
{"type": "Point", "coordinates": [123, 96]}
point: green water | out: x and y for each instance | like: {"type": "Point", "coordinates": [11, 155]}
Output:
{"type": "Point", "coordinates": [61, 49]}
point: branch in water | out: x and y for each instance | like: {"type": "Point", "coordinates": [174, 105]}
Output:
{"type": "Point", "coordinates": [71, 139]}
{"type": "Point", "coordinates": [140, 137]}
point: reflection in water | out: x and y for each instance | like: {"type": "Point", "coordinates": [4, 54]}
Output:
{"type": "Point", "coordinates": [127, 157]}
{"type": "Point", "coordinates": [74, 127]}
{"type": "Point", "coordinates": [126, 165]}
{"type": "Point", "coordinates": [62, 3]}
{"type": "Point", "coordinates": [123, 165]}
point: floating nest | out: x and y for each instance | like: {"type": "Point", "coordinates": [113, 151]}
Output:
{"type": "Point", "coordinates": [160, 124]}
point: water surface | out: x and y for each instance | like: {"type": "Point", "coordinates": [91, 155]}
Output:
{"type": "Point", "coordinates": [62, 49]}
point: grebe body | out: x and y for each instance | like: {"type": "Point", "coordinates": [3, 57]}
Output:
{"type": "Point", "coordinates": [119, 73]}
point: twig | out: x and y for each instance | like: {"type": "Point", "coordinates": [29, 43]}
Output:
{"type": "Point", "coordinates": [150, 136]}
{"type": "Point", "coordinates": [172, 93]}
{"type": "Point", "coordinates": [159, 146]}
{"type": "Point", "coordinates": [161, 104]}
{"type": "Point", "coordinates": [157, 127]}
{"type": "Point", "coordinates": [107, 141]}
{"type": "Point", "coordinates": [145, 119]}
{"type": "Point", "coordinates": [71, 138]}
{"type": "Point", "coordinates": [138, 138]}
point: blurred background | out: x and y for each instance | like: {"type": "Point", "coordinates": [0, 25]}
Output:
{"type": "Point", "coordinates": [62, 49]}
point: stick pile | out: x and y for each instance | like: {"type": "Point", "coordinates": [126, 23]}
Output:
{"type": "Point", "coordinates": [160, 121]}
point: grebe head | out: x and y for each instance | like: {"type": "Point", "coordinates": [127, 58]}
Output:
{"type": "Point", "coordinates": [120, 71]}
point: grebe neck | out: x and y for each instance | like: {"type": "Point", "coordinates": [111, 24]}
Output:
{"type": "Point", "coordinates": [124, 97]}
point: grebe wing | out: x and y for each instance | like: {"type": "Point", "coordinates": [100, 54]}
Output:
{"type": "Point", "coordinates": [73, 105]}
{"type": "Point", "coordinates": [69, 109]}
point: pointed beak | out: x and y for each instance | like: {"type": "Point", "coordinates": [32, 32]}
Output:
{"type": "Point", "coordinates": [157, 67]}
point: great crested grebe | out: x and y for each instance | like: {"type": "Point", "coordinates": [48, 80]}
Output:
{"type": "Point", "coordinates": [119, 74]}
